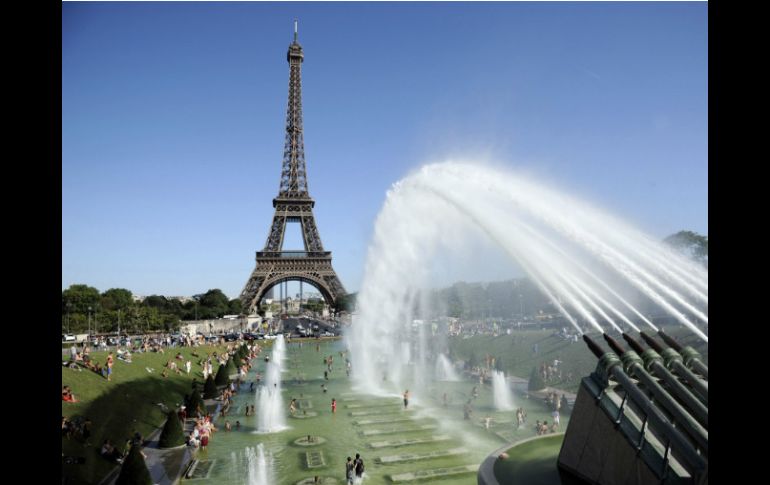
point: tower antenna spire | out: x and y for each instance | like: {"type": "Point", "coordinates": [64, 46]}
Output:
{"type": "Point", "coordinates": [295, 29]}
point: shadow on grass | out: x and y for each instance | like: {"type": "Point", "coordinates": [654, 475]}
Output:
{"type": "Point", "coordinates": [116, 415]}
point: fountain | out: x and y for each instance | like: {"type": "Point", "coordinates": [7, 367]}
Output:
{"type": "Point", "coordinates": [591, 265]}
{"type": "Point", "coordinates": [444, 370]}
{"type": "Point", "coordinates": [269, 401]}
{"type": "Point", "coordinates": [259, 466]}
{"type": "Point", "coordinates": [502, 393]}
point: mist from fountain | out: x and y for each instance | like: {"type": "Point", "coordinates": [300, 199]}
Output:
{"type": "Point", "coordinates": [444, 370]}
{"type": "Point", "coordinates": [589, 264]}
{"type": "Point", "coordinates": [502, 392]}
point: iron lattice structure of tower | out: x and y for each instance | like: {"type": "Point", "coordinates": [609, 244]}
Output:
{"type": "Point", "coordinates": [293, 205]}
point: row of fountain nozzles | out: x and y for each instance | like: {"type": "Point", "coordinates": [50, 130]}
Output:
{"type": "Point", "coordinates": [682, 360]}
{"type": "Point", "coordinates": [685, 421]}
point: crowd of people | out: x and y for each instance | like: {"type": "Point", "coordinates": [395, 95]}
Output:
{"type": "Point", "coordinates": [199, 423]}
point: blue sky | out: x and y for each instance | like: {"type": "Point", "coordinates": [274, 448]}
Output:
{"type": "Point", "coordinates": [173, 121]}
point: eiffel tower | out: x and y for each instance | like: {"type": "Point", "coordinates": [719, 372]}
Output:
{"type": "Point", "coordinates": [293, 204]}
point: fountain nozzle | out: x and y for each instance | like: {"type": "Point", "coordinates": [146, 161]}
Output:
{"type": "Point", "coordinates": [670, 340]}
{"type": "Point", "coordinates": [614, 345]}
{"type": "Point", "coordinates": [593, 346]}
{"type": "Point", "coordinates": [633, 343]}
{"type": "Point", "coordinates": [651, 342]}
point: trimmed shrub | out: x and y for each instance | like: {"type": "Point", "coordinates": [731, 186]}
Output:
{"type": "Point", "coordinates": [231, 367]}
{"type": "Point", "coordinates": [172, 434]}
{"type": "Point", "coordinates": [134, 470]}
{"type": "Point", "coordinates": [223, 377]}
{"type": "Point", "coordinates": [209, 389]}
{"type": "Point", "coordinates": [194, 401]}
{"type": "Point", "coordinates": [536, 382]}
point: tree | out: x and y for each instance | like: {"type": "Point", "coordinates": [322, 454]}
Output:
{"type": "Point", "coordinates": [235, 307]}
{"type": "Point", "coordinates": [156, 301]}
{"type": "Point", "coordinates": [77, 299]}
{"type": "Point", "coordinates": [536, 382]}
{"type": "Point", "coordinates": [215, 303]}
{"type": "Point", "coordinates": [117, 299]}
{"type": "Point", "coordinates": [691, 244]}
{"type": "Point", "coordinates": [134, 470]}
{"type": "Point", "coordinates": [222, 378]}
{"type": "Point", "coordinates": [172, 434]}
{"type": "Point", "coordinates": [209, 388]}
{"type": "Point", "coordinates": [195, 401]}
{"type": "Point", "coordinates": [347, 303]}
{"type": "Point", "coordinates": [230, 367]}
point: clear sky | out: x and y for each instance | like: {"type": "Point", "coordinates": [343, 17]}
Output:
{"type": "Point", "coordinates": [173, 118]}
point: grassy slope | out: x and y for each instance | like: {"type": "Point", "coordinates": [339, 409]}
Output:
{"type": "Point", "coordinates": [124, 405]}
{"type": "Point", "coordinates": [515, 352]}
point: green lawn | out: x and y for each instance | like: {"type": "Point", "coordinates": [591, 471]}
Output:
{"type": "Point", "coordinates": [515, 352]}
{"type": "Point", "coordinates": [124, 405]}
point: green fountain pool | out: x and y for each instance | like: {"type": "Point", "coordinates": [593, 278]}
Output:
{"type": "Point", "coordinates": [428, 441]}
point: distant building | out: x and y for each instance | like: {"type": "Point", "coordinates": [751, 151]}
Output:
{"type": "Point", "coordinates": [181, 299]}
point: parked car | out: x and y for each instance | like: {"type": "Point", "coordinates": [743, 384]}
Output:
{"type": "Point", "coordinates": [67, 338]}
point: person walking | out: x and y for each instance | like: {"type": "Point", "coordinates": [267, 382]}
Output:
{"type": "Point", "coordinates": [350, 469]}
{"type": "Point", "coordinates": [406, 399]}
{"type": "Point", "coordinates": [110, 361]}
{"type": "Point", "coordinates": [334, 406]}
{"type": "Point", "coordinates": [359, 467]}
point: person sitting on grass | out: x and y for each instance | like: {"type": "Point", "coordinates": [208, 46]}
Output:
{"type": "Point", "coordinates": [66, 394]}
{"type": "Point", "coordinates": [124, 355]}
{"type": "Point", "coordinates": [72, 365]}
{"type": "Point", "coordinates": [66, 428]}
{"type": "Point", "coordinates": [111, 453]}
{"type": "Point", "coordinates": [126, 447]}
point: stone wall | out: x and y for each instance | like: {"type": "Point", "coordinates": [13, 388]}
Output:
{"type": "Point", "coordinates": [595, 450]}
{"type": "Point", "coordinates": [221, 325]}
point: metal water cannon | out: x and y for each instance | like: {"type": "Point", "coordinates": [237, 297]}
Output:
{"type": "Point", "coordinates": [611, 366]}
{"type": "Point", "coordinates": [675, 362]}
{"type": "Point", "coordinates": [634, 365]}
{"type": "Point", "coordinates": [692, 359]}
{"type": "Point", "coordinates": [653, 363]}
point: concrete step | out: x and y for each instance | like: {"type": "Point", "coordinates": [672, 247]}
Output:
{"type": "Point", "coordinates": [404, 457]}
{"type": "Point", "coordinates": [433, 473]}
{"type": "Point", "coordinates": [409, 441]}
{"type": "Point", "coordinates": [413, 429]}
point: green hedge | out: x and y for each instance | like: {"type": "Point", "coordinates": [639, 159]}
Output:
{"type": "Point", "coordinates": [172, 434]}
{"type": "Point", "coordinates": [134, 470]}
{"type": "Point", "coordinates": [194, 401]}
{"type": "Point", "coordinates": [209, 389]}
{"type": "Point", "coordinates": [536, 382]}
{"type": "Point", "coordinates": [223, 377]}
